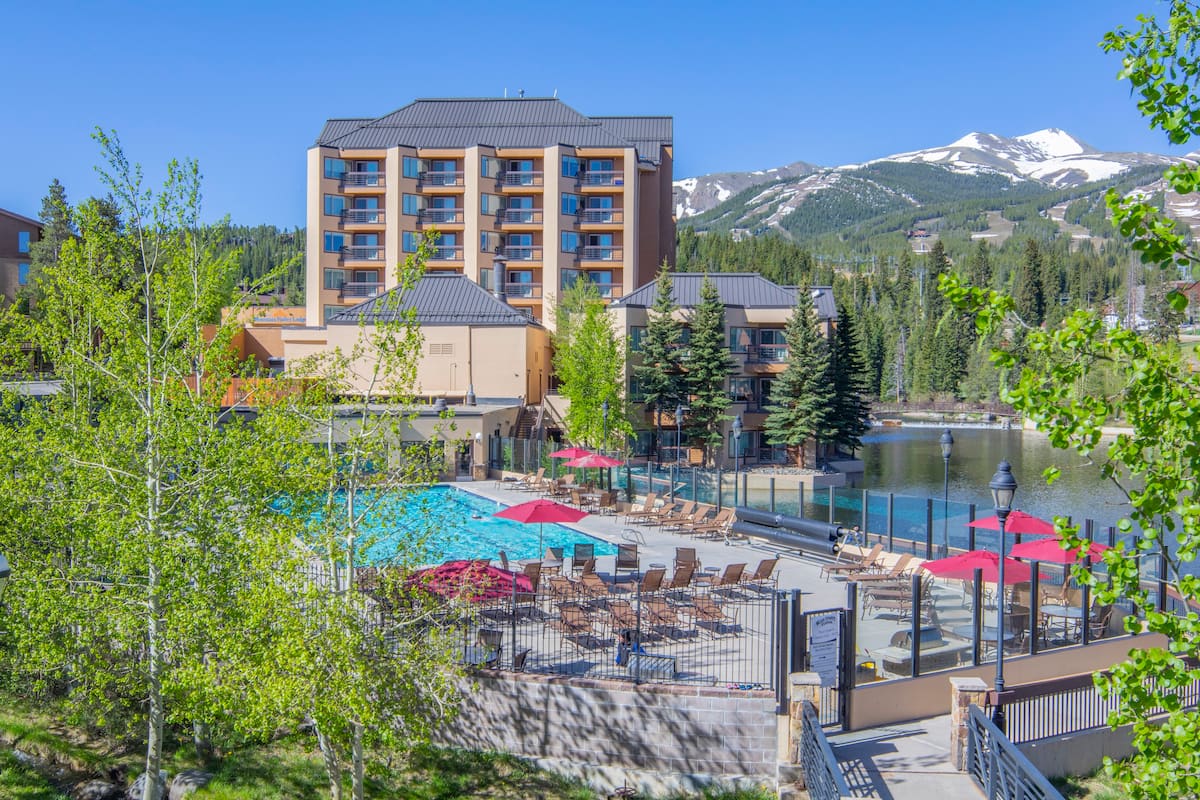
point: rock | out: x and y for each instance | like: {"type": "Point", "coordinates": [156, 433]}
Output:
{"type": "Point", "coordinates": [97, 790]}
{"type": "Point", "coordinates": [139, 784]}
{"type": "Point", "coordinates": [187, 782]}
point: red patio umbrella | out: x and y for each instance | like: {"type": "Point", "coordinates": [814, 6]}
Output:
{"type": "Point", "coordinates": [541, 511]}
{"type": "Point", "coordinates": [963, 566]}
{"type": "Point", "coordinates": [477, 581]}
{"type": "Point", "coordinates": [1017, 522]}
{"type": "Point", "coordinates": [571, 452]}
{"type": "Point", "coordinates": [595, 460]}
{"type": "Point", "coordinates": [1054, 550]}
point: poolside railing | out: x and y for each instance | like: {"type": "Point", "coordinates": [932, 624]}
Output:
{"type": "Point", "coordinates": [1000, 770]}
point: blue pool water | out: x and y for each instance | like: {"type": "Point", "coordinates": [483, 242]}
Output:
{"type": "Point", "coordinates": [460, 525]}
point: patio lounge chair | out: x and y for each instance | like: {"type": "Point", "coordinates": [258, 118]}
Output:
{"type": "Point", "coordinates": [581, 554]}
{"type": "Point", "coordinates": [622, 616]}
{"type": "Point", "coordinates": [532, 482]}
{"type": "Point", "coordinates": [658, 614]}
{"type": "Point", "coordinates": [656, 516]}
{"type": "Point", "coordinates": [562, 589]}
{"type": "Point", "coordinates": [764, 575]}
{"type": "Point", "coordinates": [898, 570]}
{"type": "Point", "coordinates": [627, 558]}
{"type": "Point", "coordinates": [683, 523]}
{"type": "Point", "coordinates": [574, 624]}
{"type": "Point", "coordinates": [682, 578]}
{"type": "Point", "coordinates": [718, 525]}
{"type": "Point", "coordinates": [636, 515]}
{"type": "Point", "coordinates": [730, 577]}
{"type": "Point", "coordinates": [652, 581]}
{"type": "Point", "coordinates": [686, 555]}
{"type": "Point", "coordinates": [593, 585]}
{"type": "Point", "coordinates": [865, 563]}
{"type": "Point", "coordinates": [705, 609]}
{"type": "Point", "coordinates": [683, 515]}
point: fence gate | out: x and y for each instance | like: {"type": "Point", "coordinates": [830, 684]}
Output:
{"type": "Point", "coordinates": [822, 642]}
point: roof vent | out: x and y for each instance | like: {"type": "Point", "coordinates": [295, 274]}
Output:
{"type": "Point", "coordinates": [439, 405]}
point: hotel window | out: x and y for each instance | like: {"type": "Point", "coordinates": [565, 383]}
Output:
{"type": "Point", "coordinates": [22, 274]}
{"type": "Point", "coordinates": [602, 278]}
{"type": "Point", "coordinates": [748, 443]}
{"type": "Point", "coordinates": [334, 242]}
{"type": "Point", "coordinates": [485, 278]}
{"type": "Point", "coordinates": [570, 204]}
{"type": "Point", "coordinates": [335, 278]}
{"type": "Point", "coordinates": [335, 168]}
{"type": "Point", "coordinates": [570, 166]}
{"type": "Point", "coordinates": [411, 167]}
{"type": "Point", "coordinates": [409, 242]}
{"type": "Point", "coordinates": [570, 242]}
{"type": "Point", "coordinates": [22, 241]}
{"type": "Point", "coordinates": [489, 167]}
{"type": "Point", "coordinates": [772, 346]}
{"type": "Point", "coordinates": [636, 332]}
{"type": "Point", "coordinates": [740, 339]}
{"type": "Point", "coordinates": [335, 204]}
{"type": "Point", "coordinates": [331, 310]}
{"type": "Point", "coordinates": [489, 242]}
{"type": "Point", "coordinates": [635, 391]}
{"type": "Point", "coordinates": [491, 203]}
{"type": "Point", "coordinates": [764, 391]}
{"type": "Point", "coordinates": [741, 390]}
{"type": "Point", "coordinates": [412, 204]}
{"type": "Point", "coordinates": [519, 283]}
{"type": "Point", "coordinates": [569, 276]}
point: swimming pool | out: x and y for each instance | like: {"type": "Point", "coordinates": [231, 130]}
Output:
{"type": "Point", "coordinates": [461, 525]}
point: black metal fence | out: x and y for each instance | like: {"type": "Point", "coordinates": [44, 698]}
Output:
{"type": "Point", "coordinates": [822, 774]}
{"type": "Point", "coordinates": [998, 767]}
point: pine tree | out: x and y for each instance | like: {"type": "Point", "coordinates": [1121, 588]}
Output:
{"type": "Point", "coordinates": [979, 268]}
{"type": "Point", "coordinates": [708, 365]}
{"type": "Point", "coordinates": [57, 229]}
{"type": "Point", "coordinates": [802, 397]}
{"type": "Point", "coordinates": [660, 374]}
{"type": "Point", "coordinates": [1027, 292]}
{"type": "Point", "coordinates": [850, 385]}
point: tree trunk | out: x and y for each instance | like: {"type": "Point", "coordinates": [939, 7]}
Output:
{"type": "Point", "coordinates": [202, 740]}
{"type": "Point", "coordinates": [333, 767]}
{"type": "Point", "coordinates": [356, 751]}
{"type": "Point", "coordinates": [151, 789]}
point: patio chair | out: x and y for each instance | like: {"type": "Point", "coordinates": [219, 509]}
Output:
{"type": "Point", "coordinates": [589, 567]}
{"type": "Point", "coordinates": [658, 614]}
{"type": "Point", "coordinates": [573, 621]}
{"type": "Point", "coordinates": [730, 577]}
{"type": "Point", "coordinates": [898, 570]}
{"type": "Point", "coordinates": [552, 560]}
{"type": "Point", "coordinates": [652, 581]}
{"type": "Point", "coordinates": [622, 616]}
{"type": "Point", "coordinates": [683, 523]}
{"type": "Point", "coordinates": [492, 641]}
{"type": "Point", "coordinates": [864, 563]}
{"type": "Point", "coordinates": [627, 558]}
{"type": "Point", "coordinates": [607, 504]}
{"type": "Point", "coordinates": [519, 659]}
{"type": "Point", "coordinates": [714, 528]}
{"type": "Point", "coordinates": [504, 562]}
{"type": "Point", "coordinates": [1098, 622]}
{"type": "Point", "coordinates": [682, 578]}
{"type": "Point", "coordinates": [581, 554]}
{"type": "Point", "coordinates": [683, 515]}
{"type": "Point", "coordinates": [634, 515]}
{"type": "Point", "coordinates": [686, 555]}
{"type": "Point", "coordinates": [592, 585]}
{"type": "Point", "coordinates": [562, 589]}
{"type": "Point", "coordinates": [534, 573]}
{"type": "Point", "coordinates": [657, 515]}
{"type": "Point", "coordinates": [576, 499]}
{"type": "Point", "coordinates": [532, 482]}
{"type": "Point", "coordinates": [705, 609]}
{"type": "Point", "coordinates": [764, 575]}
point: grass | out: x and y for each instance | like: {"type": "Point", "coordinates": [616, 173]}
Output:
{"type": "Point", "coordinates": [285, 769]}
{"type": "Point", "coordinates": [1093, 787]}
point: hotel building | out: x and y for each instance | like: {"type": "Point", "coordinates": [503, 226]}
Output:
{"type": "Point", "coordinates": [557, 195]}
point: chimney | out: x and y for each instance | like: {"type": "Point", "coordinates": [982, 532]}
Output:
{"type": "Point", "coordinates": [499, 276]}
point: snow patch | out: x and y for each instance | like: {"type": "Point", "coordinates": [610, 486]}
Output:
{"type": "Point", "coordinates": [723, 194]}
{"type": "Point", "coordinates": [1053, 142]}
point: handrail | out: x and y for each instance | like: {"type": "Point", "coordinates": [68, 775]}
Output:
{"type": "Point", "coordinates": [766, 353]}
{"type": "Point", "coordinates": [523, 290]}
{"type": "Point", "coordinates": [521, 178]}
{"type": "Point", "coordinates": [442, 215]}
{"type": "Point", "coordinates": [601, 253]}
{"type": "Point", "coordinates": [523, 253]}
{"type": "Point", "coordinates": [524, 216]}
{"type": "Point", "coordinates": [822, 772]}
{"type": "Point", "coordinates": [601, 216]}
{"type": "Point", "coordinates": [998, 767]}
{"type": "Point", "coordinates": [371, 179]}
{"type": "Point", "coordinates": [602, 177]}
{"type": "Point", "coordinates": [363, 216]}
{"type": "Point", "coordinates": [446, 253]}
{"type": "Point", "coordinates": [363, 252]}
{"type": "Point", "coordinates": [360, 288]}
{"type": "Point", "coordinates": [441, 178]}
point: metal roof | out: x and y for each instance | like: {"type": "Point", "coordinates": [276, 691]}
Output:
{"type": "Point", "coordinates": [739, 289]}
{"type": "Point", "coordinates": [21, 218]}
{"type": "Point", "coordinates": [440, 298]}
{"type": "Point", "coordinates": [454, 123]}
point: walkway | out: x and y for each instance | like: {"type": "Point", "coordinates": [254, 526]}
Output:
{"type": "Point", "coordinates": [907, 761]}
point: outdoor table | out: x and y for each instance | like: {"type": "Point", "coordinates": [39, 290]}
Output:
{"type": "Point", "coordinates": [987, 634]}
{"type": "Point", "coordinates": [475, 655]}
{"type": "Point", "coordinates": [1067, 614]}
{"type": "Point", "coordinates": [656, 565]}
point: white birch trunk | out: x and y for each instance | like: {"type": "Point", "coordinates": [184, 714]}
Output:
{"type": "Point", "coordinates": [333, 767]}
{"type": "Point", "coordinates": [356, 751]}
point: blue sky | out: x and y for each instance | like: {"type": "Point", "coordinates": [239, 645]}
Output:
{"type": "Point", "coordinates": [245, 87]}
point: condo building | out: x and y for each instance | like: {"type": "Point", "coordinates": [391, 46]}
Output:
{"type": "Point", "coordinates": [524, 196]}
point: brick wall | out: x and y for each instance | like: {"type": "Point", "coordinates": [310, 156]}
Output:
{"type": "Point", "coordinates": [611, 733]}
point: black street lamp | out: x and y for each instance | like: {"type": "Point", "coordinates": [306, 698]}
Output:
{"type": "Point", "coordinates": [1003, 486]}
{"type": "Point", "coordinates": [678, 431]}
{"type": "Point", "coordinates": [947, 443]}
{"type": "Point", "coordinates": [737, 451]}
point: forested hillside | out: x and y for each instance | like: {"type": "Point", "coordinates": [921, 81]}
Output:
{"type": "Point", "coordinates": [265, 249]}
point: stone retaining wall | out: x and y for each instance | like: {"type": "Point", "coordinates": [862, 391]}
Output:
{"type": "Point", "coordinates": [613, 733]}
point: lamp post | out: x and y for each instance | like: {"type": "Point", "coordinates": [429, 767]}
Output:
{"type": "Point", "coordinates": [737, 451]}
{"type": "Point", "coordinates": [678, 431]}
{"type": "Point", "coordinates": [947, 443]}
{"type": "Point", "coordinates": [604, 438]}
{"type": "Point", "coordinates": [1003, 486]}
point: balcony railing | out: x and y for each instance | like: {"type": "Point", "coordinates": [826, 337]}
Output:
{"type": "Point", "coordinates": [363, 252]}
{"type": "Point", "coordinates": [521, 178]}
{"type": "Point", "coordinates": [443, 216]}
{"type": "Point", "coordinates": [446, 253]}
{"type": "Point", "coordinates": [361, 289]}
{"type": "Point", "coordinates": [523, 253]}
{"type": "Point", "coordinates": [523, 290]}
{"type": "Point", "coordinates": [601, 216]}
{"type": "Point", "coordinates": [608, 290]}
{"type": "Point", "coordinates": [446, 178]}
{"type": "Point", "coordinates": [525, 216]}
{"type": "Point", "coordinates": [766, 353]}
{"type": "Point", "coordinates": [363, 216]}
{"type": "Point", "coordinates": [602, 177]}
{"type": "Point", "coordinates": [601, 253]}
{"type": "Point", "coordinates": [371, 179]}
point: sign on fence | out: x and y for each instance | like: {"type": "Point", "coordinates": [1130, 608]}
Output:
{"type": "Point", "coordinates": [824, 646]}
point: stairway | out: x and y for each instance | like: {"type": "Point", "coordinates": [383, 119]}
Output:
{"type": "Point", "coordinates": [526, 422]}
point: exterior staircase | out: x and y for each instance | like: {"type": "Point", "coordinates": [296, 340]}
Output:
{"type": "Point", "coordinates": [527, 422]}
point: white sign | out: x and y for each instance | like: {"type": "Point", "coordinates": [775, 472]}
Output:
{"type": "Point", "coordinates": [824, 646]}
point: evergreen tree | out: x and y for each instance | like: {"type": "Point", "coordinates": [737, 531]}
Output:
{"type": "Point", "coordinates": [1027, 290]}
{"type": "Point", "coordinates": [802, 397]}
{"type": "Point", "coordinates": [979, 268]}
{"type": "Point", "coordinates": [660, 373]}
{"type": "Point", "coordinates": [708, 365]}
{"type": "Point", "coordinates": [57, 229]}
{"type": "Point", "coordinates": [851, 412]}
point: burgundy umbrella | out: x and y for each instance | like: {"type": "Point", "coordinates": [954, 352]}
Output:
{"type": "Point", "coordinates": [963, 566]}
{"type": "Point", "coordinates": [1055, 550]}
{"type": "Point", "coordinates": [595, 460]}
{"type": "Point", "coordinates": [541, 511]}
{"type": "Point", "coordinates": [476, 581]}
{"type": "Point", "coordinates": [571, 452]}
{"type": "Point", "coordinates": [1017, 522]}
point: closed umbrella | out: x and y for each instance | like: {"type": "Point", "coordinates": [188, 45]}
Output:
{"type": "Point", "coordinates": [1016, 522]}
{"type": "Point", "coordinates": [1055, 550]}
{"type": "Point", "coordinates": [541, 511]}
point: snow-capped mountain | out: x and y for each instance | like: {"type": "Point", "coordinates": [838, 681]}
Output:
{"type": "Point", "coordinates": [1051, 157]}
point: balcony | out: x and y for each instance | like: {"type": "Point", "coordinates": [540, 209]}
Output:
{"type": "Point", "coordinates": [359, 290]}
{"type": "Point", "coordinates": [766, 354]}
{"type": "Point", "coordinates": [520, 216]}
{"type": "Point", "coordinates": [363, 180]}
{"type": "Point", "coordinates": [363, 252]}
{"type": "Point", "coordinates": [446, 253]}
{"type": "Point", "coordinates": [608, 291]}
{"type": "Point", "coordinates": [445, 178]}
{"type": "Point", "coordinates": [601, 216]}
{"type": "Point", "coordinates": [363, 216]}
{"type": "Point", "coordinates": [441, 216]}
{"type": "Point", "coordinates": [523, 253]}
{"type": "Point", "coordinates": [521, 178]}
{"type": "Point", "coordinates": [602, 177]}
{"type": "Point", "coordinates": [523, 291]}
{"type": "Point", "coordinates": [601, 253]}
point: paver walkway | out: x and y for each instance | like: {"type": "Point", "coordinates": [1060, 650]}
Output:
{"type": "Point", "coordinates": [906, 761]}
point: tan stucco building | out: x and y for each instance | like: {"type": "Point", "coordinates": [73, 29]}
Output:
{"type": "Point", "coordinates": [558, 195]}
{"type": "Point", "coordinates": [756, 312]}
